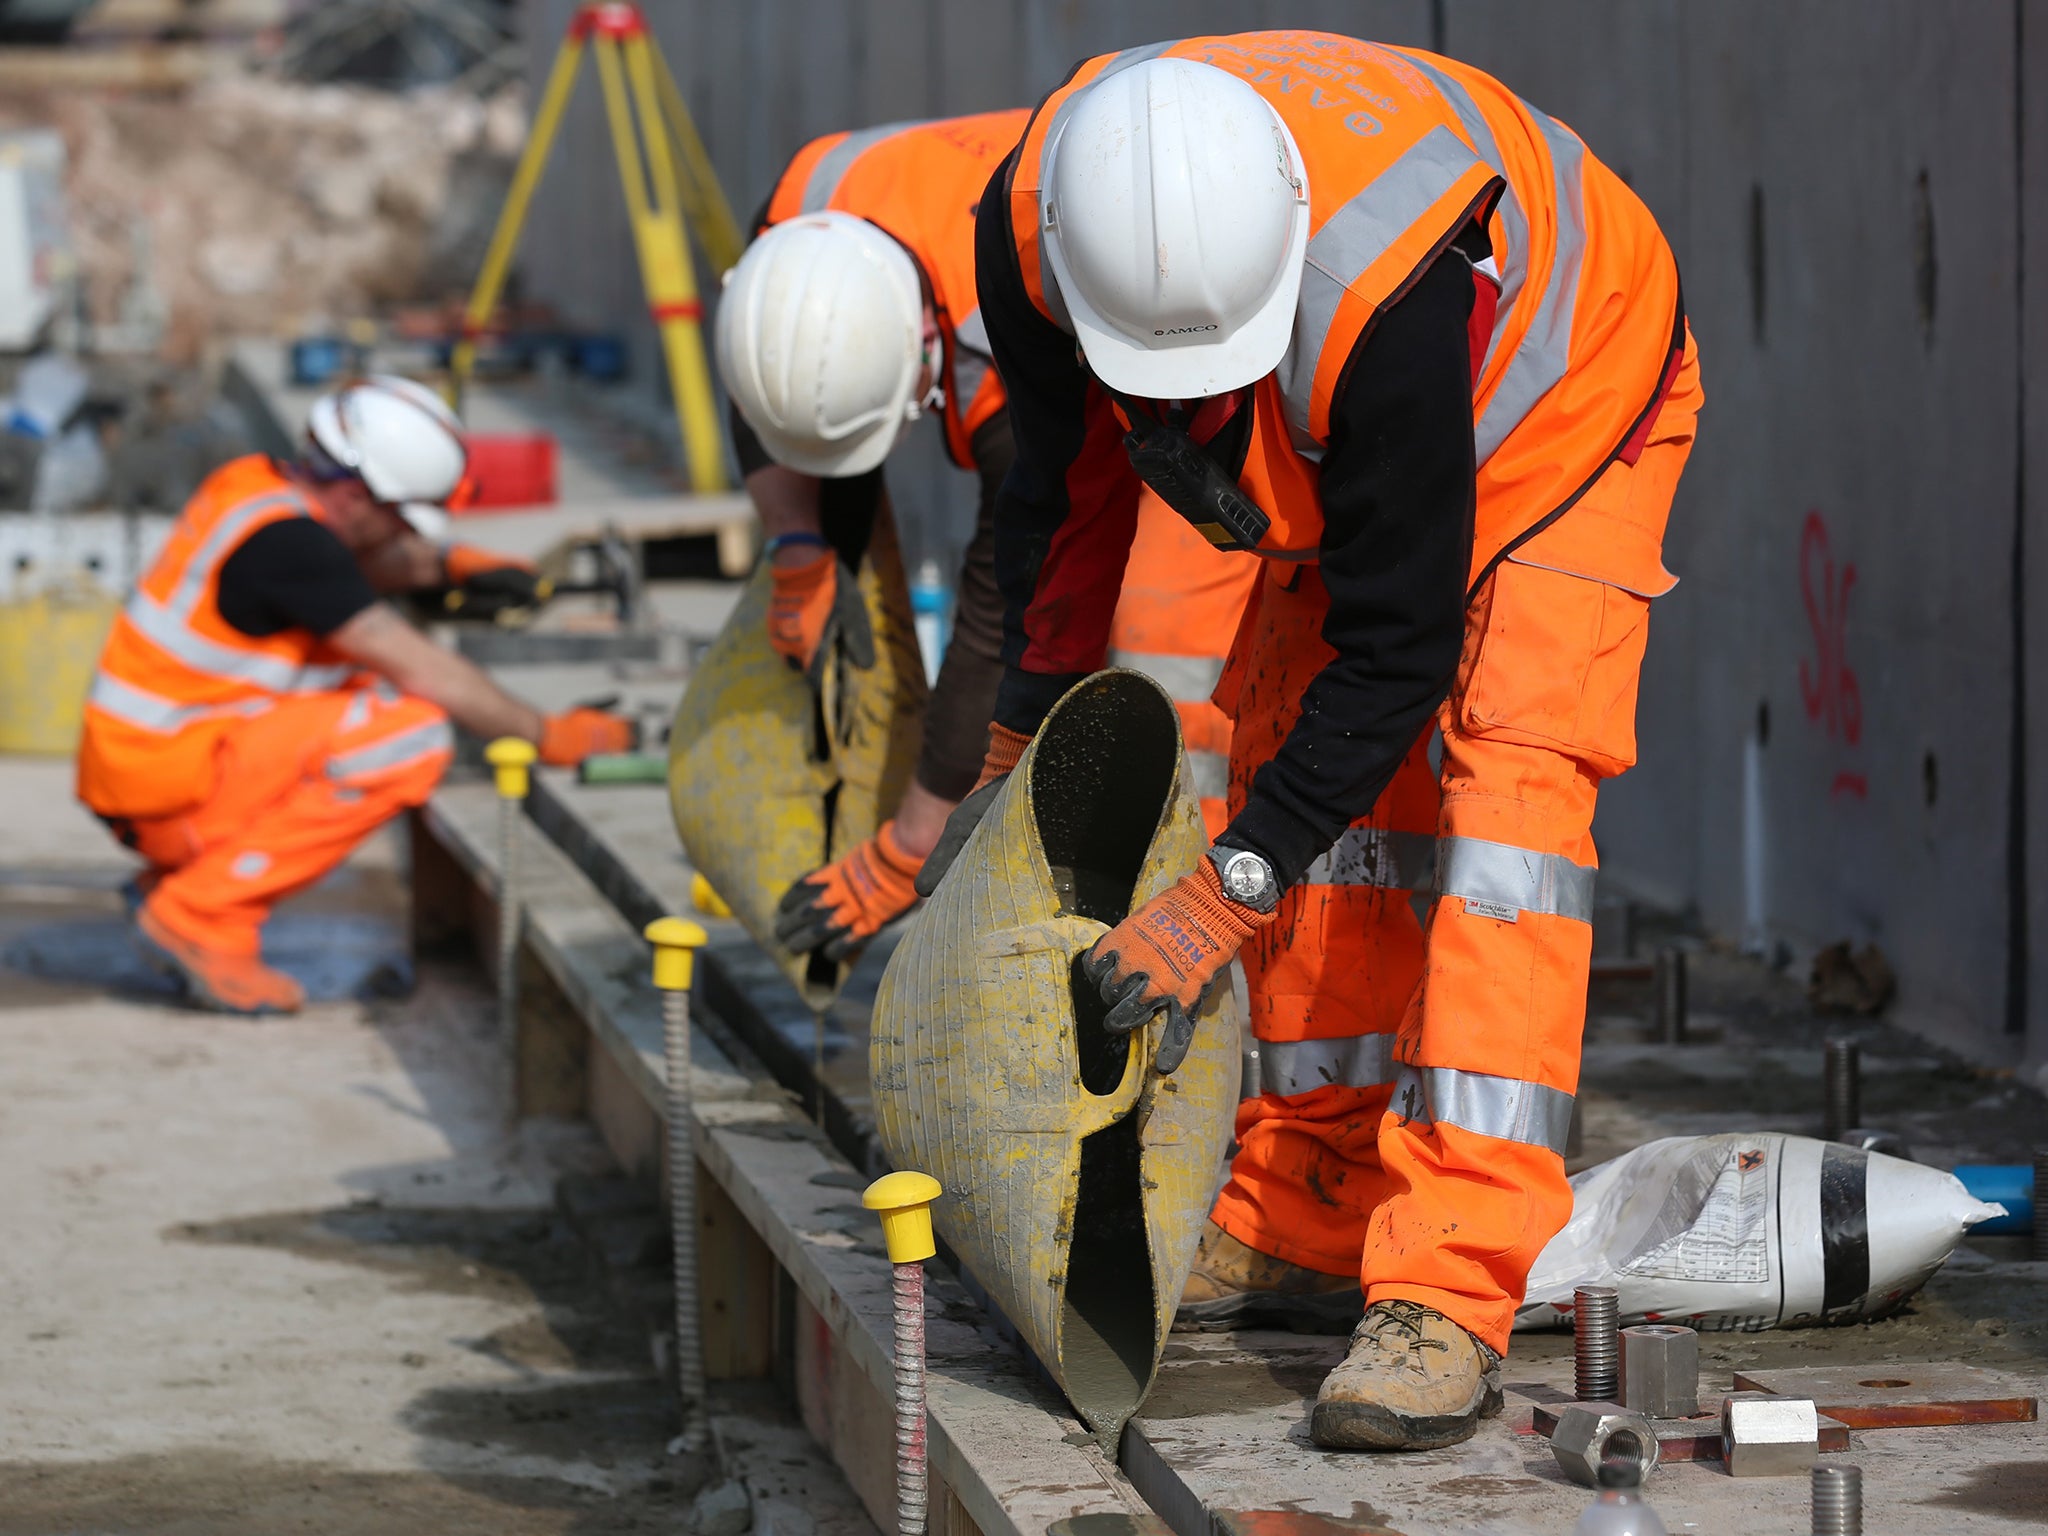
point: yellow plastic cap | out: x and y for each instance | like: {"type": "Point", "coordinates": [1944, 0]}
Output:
{"type": "Point", "coordinates": [676, 943]}
{"type": "Point", "coordinates": [511, 758]}
{"type": "Point", "coordinates": [705, 898]}
{"type": "Point", "coordinates": [904, 1201]}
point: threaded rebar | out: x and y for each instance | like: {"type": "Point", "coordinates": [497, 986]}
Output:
{"type": "Point", "coordinates": [2041, 1203]}
{"type": "Point", "coordinates": [911, 1481]}
{"type": "Point", "coordinates": [682, 1212]}
{"type": "Point", "coordinates": [1842, 1087]}
{"type": "Point", "coordinates": [1837, 1500]}
{"type": "Point", "coordinates": [1596, 1343]}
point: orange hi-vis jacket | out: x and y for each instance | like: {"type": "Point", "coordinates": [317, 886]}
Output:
{"type": "Point", "coordinates": [175, 676]}
{"type": "Point", "coordinates": [921, 183]}
{"type": "Point", "coordinates": [1403, 150]}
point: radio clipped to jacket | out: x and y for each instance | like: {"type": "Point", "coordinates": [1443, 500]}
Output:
{"type": "Point", "coordinates": [1190, 481]}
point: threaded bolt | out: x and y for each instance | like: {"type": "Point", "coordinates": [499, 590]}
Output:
{"type": "Point", "coordinates": [1669, 974]}
{"type": "Point", "coordinates": [2041, 1203]}
{"type": "Point", "coordinates": [1842, 1085]}
{"type": "Point", "coordinates": [1596, 1343]}
{"type": "Point", "coordinates": [1837, 1500]}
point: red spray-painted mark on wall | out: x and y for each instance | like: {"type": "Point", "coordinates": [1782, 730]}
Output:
{"type": "Point", "coordinates": [1827, 683]}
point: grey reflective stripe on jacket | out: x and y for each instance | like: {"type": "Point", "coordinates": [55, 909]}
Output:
{"type": "Point", "coordinates": [148, 711]}
{"type": "Point", "coordinates": [1544, 352]}
{"type": "Point", "coordinates": [1186, 679]}
{"type": "Point", "coordinates": [1398, 861]}
{"type": "Point", "coordinates": [1290, 1067]}
{"type": "Point", "coordinates": [832, 165]}
{"type": "Point", "coordinates": [1351, 240]}
{"type": "Point", "coordinates": [1510, 880]}
{"type": "Point", "coordinates": [1504, 1107]}
{"type": "Point", "coordinates": [972, 359]}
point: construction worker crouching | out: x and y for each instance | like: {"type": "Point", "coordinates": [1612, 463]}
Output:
{"type": "Point", "coordinates": [1364, 312]}
{"type": "Point", "coordinates": [258, 712]}
{"type": "Point", "coordinates": [851, 314]}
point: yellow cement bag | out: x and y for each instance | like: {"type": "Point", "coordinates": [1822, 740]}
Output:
{"type": "Point", "coordinates": [1076, 1178]}
{"type": "Point", "coordinates": [768, 779]}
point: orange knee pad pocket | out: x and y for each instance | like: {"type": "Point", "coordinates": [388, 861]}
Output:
{"type": "Point", "coordinates": [1558, 665]}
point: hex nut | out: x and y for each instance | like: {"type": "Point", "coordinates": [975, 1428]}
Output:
{"type": "Point", "coordinates": [1764, 1435]}
{"type": "Point", "coordinates": [1660, 1371]}
{"type": "Point", "coordinates": [1589, 1433]}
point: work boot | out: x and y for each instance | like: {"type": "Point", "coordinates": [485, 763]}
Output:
{"type": "Point", "coordinates": [222, 982]}
{"type": "Point", "coordinates": [1236, 1286]}
{"type": "Point", "coordinates": [1414, 1380]}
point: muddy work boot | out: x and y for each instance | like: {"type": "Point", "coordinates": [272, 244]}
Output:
{"type": "Point", "coordinates": [225, 983]}
{"type": "Point", "coordinates": [1414, 1380]}
{"type": "Point", "coordinates": [1233, 1286]}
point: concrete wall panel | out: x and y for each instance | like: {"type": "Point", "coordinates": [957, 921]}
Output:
{"type": "Point", "coordinates": [2031, 59]}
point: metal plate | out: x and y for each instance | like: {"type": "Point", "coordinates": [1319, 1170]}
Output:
{"type": "Point", "coordinates": [1900, 1396]}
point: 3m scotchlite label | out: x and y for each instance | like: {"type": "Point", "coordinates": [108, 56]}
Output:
{"type": "Point", "coordinates": [1503, 1107]}
{"type": "Point", "coordinates": [1289, 1067]}
{"type": "Point", "coordinates": [1398, 861]}
{"type": "Point", "coordinates": [825, 175]}
{"type": "Point", "coordinates": [1498, 877]}
{"type": "Point", "coordinates": [1188, 679]}
{"type": "Point", "coordinates": [400, 751]}
{"type": "Point", "coordinates": [1352, 239]}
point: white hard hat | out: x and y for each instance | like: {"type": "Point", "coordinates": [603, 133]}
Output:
{"type": "Point", "coordinates": [1175, 215]}
{"type": "Point", "coordinates": [820, 336]}
{"type": "Point", "coordinates": [400, 439]}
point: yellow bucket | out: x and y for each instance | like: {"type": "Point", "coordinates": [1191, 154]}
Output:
{"type": "Point", "coordinates": [49, 646]}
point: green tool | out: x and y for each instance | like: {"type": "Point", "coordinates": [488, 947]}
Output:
{"type": "Point", "coordinates": [624, 768]}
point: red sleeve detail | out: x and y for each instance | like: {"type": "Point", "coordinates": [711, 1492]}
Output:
{"type": "Point", "coordinates": [1066, 627]}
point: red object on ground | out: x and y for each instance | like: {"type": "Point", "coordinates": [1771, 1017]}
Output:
{"type": "Point", "coordinates": [510, 469]}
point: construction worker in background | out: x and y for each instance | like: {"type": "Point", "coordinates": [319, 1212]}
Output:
{"type": "Point", "coordinates": [1364, 312]}
{"type": "Point", "coordinates": [851, 314]}
{"type": "Point", "coordinates": [258, 711]}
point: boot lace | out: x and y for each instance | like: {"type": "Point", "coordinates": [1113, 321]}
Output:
{"type": "Point", "coordinates": [1403, 1318]}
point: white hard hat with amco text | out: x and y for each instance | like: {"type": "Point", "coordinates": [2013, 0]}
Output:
{"type": "Point", "coordinates": [820, 337]}
{"type": "Point", "coordinates": [400, 439]}
{"type": "Point", "coordinates": [1174, 212]}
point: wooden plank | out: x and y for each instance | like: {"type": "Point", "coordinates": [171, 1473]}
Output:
{"type": "Point", "coordinates": [1000, 1438]}
{"type": "Point", "coordinates": [1901, 1395]}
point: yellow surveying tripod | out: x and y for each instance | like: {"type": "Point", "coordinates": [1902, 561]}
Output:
{"type": "Point", "coordinates": [676, 184]}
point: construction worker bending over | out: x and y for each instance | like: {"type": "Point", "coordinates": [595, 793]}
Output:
{"type": "Point", "coordinates": [258, 712]}
{"type": "Point", "coordinates": [851, 314]}
{"type": "Point", "coordinates": [1364, 312]}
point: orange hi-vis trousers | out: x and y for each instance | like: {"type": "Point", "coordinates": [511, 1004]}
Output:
{"type": "Point", "coordinates": [300, 786]}
{"type": "Point", "coordinates": [1419, 1002]}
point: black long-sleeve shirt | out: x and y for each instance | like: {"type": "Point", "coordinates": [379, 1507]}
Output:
{"type": "Point", "coordinates": [1397, 487]}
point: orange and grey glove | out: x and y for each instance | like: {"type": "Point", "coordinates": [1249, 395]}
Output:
{"type": "Point", "coordinates": [815, 608]}
{"type": "Point", "coordinates": [486, 582]}
{"type": "Point", "coordinates": [837, 909]}
{"type": "Point", "coordinates": [568, 738]}
{"type": "Point", "coordinates": [1005, 747]}
{"type": "Point", "coordinates": [1170, 954]}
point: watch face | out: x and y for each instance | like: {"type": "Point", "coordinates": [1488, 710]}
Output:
{"type": "Point", "coordinates": [1245, 878]}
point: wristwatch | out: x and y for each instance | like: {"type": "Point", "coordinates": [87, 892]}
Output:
{"type": "Point", "coordinates": [1247, 879]}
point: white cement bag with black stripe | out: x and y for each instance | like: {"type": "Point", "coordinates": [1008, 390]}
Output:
{"type": "Point", "coordinates": [1749, 1231]}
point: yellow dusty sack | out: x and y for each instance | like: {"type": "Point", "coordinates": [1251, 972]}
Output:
{"type": "Point", "coordinates": [768, 780]}
{"type": "Point", "coordinates": [49, 648]}
{"type": "Point", "coordinates": [1076, 1178]}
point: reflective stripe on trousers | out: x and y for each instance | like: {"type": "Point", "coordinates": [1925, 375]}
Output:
{"type": "Point", "coordinates": [399, 751]}
{"type": "Point", "coordinates": [1503, 1107]}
